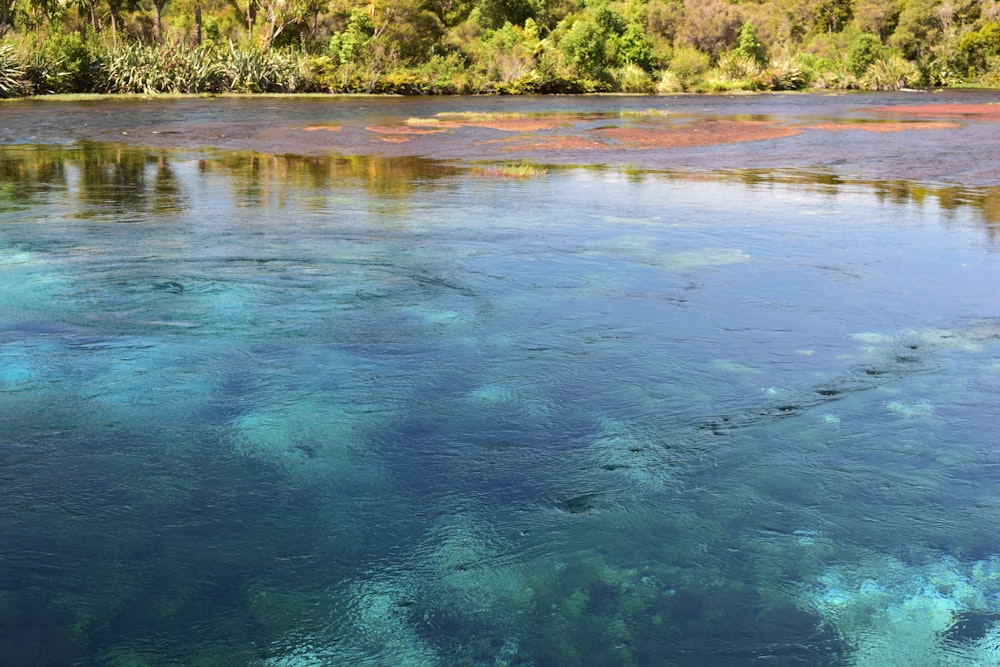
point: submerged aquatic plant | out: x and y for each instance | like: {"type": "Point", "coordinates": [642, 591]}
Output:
{"type": "Point", "coordinates": [890, 612]}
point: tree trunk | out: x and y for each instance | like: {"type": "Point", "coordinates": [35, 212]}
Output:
{"type": "Point", "coordinates": [197, 24]}
{"type": "Point", "coordinates": [158, 20]}
{"type": "Point", "coordinates": [4, 16]}
{"type": "Point", "coordinates": [251, 17]}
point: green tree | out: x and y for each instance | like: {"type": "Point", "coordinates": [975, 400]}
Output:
{"type": "Point", "coordinates": [407, 30]}
{"type": "Point", "coordinates": [494, 13]}
{"type": "Point", "coordinates": [865, 50]}
{"type": "Point", "coordinates": [115, 8]}
{"type": "Point", "coordinates": [633, 47]}
{"type": "Point", "coordinates": [833, 15]}
{"type": "Point", "coordinates": [980, 46]}
{"type": "Point", "coordinates": [919, 27]}
{"type": "Point", "coordinates": [352, 43]}
{"type": "Point", "coordinates": [711, 26]}
{"type": "Point", "coordinates": [586, 45]}
{"type": "Point", "coordinates": [748, 46]}
{"type": "Point", "coordinates": [877, 16]}
{"type": "Point", "coordinates": [248, 10]}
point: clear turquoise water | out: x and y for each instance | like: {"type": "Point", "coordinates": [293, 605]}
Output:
{"type": "Point", "coordinates": [280, 412]}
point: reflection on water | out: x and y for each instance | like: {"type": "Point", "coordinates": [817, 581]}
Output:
{"type": "Point", "coordinates": [127, 179]}
{"type": "Point", "coordinates": [372, 411]}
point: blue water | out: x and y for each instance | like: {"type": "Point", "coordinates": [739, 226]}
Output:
{"type": "Point", "coordinates": [281, 411]}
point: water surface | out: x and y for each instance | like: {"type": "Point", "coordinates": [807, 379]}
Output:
{"type": "Point", "coordinates": [395, 410]}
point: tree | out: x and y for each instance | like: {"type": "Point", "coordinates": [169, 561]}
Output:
{"type": "Point", "coordinates": [495, 13]}
{"type": "Point", "coordinates": [664, 18]}
{"type": "Point", "coordinates": [158, 6]}
{"type": "Point", "coordinates": [278, 15]}
{"type": "Point", "coordinates": [6, 7]}
{"type": "Point", "coordinates": [878, 17]}
{"type": "Point", "coordinates": [832, 15]}
{"type": "Point", "coordinates": [586, 44]}
{"type": "Point", "coordinates": [312, 10]}
{"type": "Point", "coordinates": [865, 50]}
{"type": "Point", "coordinates": [248, 9]}
{"type": "Point", "coordinates": [115, 7]}
{"type": "Point", "coordinates": [407, 30]}
{"type": "Point", "coordinates": [979, 46]}
{"type": "Point", "coordinates": [918, 29]}
{"type": "Point", "coordinates": [633, 47]}
{"type": "Point", "coordinates": [711, 26]}
{"type": "Point", "coordinates": [749, 46]}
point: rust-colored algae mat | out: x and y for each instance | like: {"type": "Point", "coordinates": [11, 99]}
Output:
{"type": "Point", "coordinates": [551, 143]}
{"type": "Point", "coordinates": [403, 129]}
{"type": "Point", "coordinates": [705, 133]}
{"type": "Point", "coordinates": [510, 122]}
{"type": "Point", "coordinates": [970, 111]}
{"type": "Point", "coordinates": [885, 126]}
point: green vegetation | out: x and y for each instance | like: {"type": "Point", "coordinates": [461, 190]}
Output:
{"type": "Point", "coordinates": [493, 46]}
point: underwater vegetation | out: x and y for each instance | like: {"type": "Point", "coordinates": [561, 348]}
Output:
{"type": "Point", "coordinates": [932, 612]}
{"type": "Point", "coordinates": [371, 415]}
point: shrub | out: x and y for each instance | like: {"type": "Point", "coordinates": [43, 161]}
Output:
{"type": "Point", "coordinates": [864, 51]}
{"type": "Point", "coordinates": [586, 46]}
{"type": "Point", "coordinates": [11, 72]}
{"type": "Point", "coordinates": [784, 74]}
{"type": "Point", "coordinates": [748, 46]}
{"type": "Point", "coordinates": [134, 68]}
{"type": "Point", "coordinates": [735, 66]}
{"type": "Point", "coordinates": [632, 79]}
{"type": "Point", "coordinates": [689, 63]}
{"type": "Point", "coordinates": [68, 63]}
{"type": "Point", "coordinates": [252, 69]}
{"type": "Point", "coordinates": [669, 83]}
{"type": "Point", "coordinates": [980, 46]}
{"type": "Point", "coordinates": [890, 73]}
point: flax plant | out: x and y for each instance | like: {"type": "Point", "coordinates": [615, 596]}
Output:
{"type": "Point", "coordinates": [11, 72]}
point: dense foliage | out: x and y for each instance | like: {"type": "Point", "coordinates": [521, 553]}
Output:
{"type": "Point", "coordinates": [493, 46]}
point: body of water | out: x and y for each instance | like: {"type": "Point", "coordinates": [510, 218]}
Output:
{"type": "Point", "coordinates": [402, 410]}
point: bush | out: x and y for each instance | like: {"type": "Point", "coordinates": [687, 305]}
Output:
{"type": "Point", "coordinates": [68, 63]}
{"type": "Point", "coordinates": [12, 82]}
{"type": "Point", "coordinates": [784, 74]}
{"type": "Point", "coordinates": [252, 69]}
{"type": "Point", "coordinates": [669, 83]}
{"type": "Point", "coordinates": [134, 68]}
{"type": "Point", "coordinates": [980, 46]}
{"type": "Point", "coordinates": [689, 63]}
{"type": "Point", "coordinates": [750, 47]}
{"type": "Point", "coordinates": [890, 73]}
{"type": "Point", "coordinates": [586, 46]}
{"type": "Point", "coordinates": [735, 66]}
{"type": "Point", "coordinates": [632, 79]}
{"type": "Point", "coordinates": [864, 51]}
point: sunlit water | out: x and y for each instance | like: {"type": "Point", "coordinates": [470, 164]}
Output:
{"type": "Point", "coordinates": [284, 412]}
